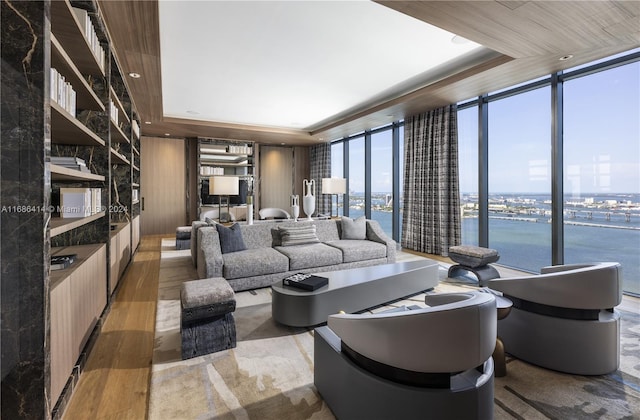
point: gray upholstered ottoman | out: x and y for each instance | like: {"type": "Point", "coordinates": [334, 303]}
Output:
{"type": "Point", "coordinates": [206, 318]}
{"type": "Point", "coordinates": [183, 237]}
{"type": "Point", "coordinates": [475, 259]}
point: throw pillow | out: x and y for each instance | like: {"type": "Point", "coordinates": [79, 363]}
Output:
{"type": "Point", "coordinates": [354, 229]}
{"type": "Point", "coordinates": [291, 236]}
{"type": "Point", "coordinates": [230, 238]}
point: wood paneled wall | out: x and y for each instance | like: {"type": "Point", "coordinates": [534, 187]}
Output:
{"type": "Point", "coordinates": [276, 176]}
{"type": "Point", "coordinates": [163, 188]}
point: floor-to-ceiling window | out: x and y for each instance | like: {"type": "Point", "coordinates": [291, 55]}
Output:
{"type": "Point", "coordinates": [337, 171]}
{"type": "Point", "coordinates": [382, 179]}
{"type": "Point", "coordinates": [592, 139]}
{"type": "Point", "coordinates": [520, 178]}
{"type": "Point", "coordinates": [372, 162]}
{"type": "Point", "coordinates": [468, 170]}
{"type": "Point", "coordinates": [355, 182]}
{"type": "Point", "coordinates": [400, 179]}
{"type": "Point", "coordinates": [601, 170]}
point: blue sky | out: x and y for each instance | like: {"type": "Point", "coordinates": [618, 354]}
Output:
{"type": "Point", "coordinates": [601, 137]}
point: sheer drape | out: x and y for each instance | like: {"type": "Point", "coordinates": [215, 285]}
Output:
{"type": "Point", "coordinates": [320, 167]}
{"type": "Point", "coordinates": [431, 210]}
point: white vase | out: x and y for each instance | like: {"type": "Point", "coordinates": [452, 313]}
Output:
{"type": "Point", "coordinates": [295, 207]}
{"type": "Point", "coordinates": [249, 214]}
{"type": "Point", "coordinates": [309, 199]}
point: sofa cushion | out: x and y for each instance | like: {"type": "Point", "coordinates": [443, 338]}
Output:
{"type": "Point", "coordinates": [230, 238]}
{"type": "Point", "coordinates": [354, 229]}
{"type": "Point", "coordinates": [311, 255]}
{"type": "Point", "coordinates": [353, 251]}
{"type": "Point", "coordinates": [254, 262]}
{"type": "Point", "coordinates": [294, 235]}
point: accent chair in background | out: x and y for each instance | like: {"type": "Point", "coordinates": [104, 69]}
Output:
{"type": "Point", "coordinates": [273, 213]}
{"type": "Point", "coordinates": [564, 318]}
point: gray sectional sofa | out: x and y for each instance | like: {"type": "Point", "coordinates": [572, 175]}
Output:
{"type": "Point", "coordinates": [270, 254]}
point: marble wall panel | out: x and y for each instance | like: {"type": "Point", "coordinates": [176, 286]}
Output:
{"type": "Point", "coordinates": [24, 249]}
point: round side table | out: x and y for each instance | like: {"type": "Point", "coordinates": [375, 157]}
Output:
{"type": "Point", "coordinates": [504, 308]}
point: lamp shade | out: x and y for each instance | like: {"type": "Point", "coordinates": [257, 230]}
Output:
{"type": "Point", "coordinates": [224, 185]}
{"type": "Point", "coordinates": [334, 186]}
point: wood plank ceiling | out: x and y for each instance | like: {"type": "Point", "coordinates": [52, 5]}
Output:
{"type": "Point", "coordinates": [530, 36]}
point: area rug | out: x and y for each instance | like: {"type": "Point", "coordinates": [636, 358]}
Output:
{"type": "Point", "coordinates": [269, 375]}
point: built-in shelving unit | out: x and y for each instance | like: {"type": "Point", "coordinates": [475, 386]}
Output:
{"type": "Point", "coordinates": [95, 147]}
{"type": "Point", "coordinates": [68, 143]}
{"type": "Point", "coordinates": [224, 157]}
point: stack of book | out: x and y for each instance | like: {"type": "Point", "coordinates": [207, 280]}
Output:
{"type": "Point", "coordinates": [136, 128]}
{"type": "Point", "coordinates": [60, 262]}
{"type": "Point", "coordinates": [80, 202]}
{"type": "Point", "coordinates": [113, 111]}
{"type": "Point", "coordinates": [62, 92]}
{"type": "Point", "coordinates": [71, 162]}
{"type": "Point", "coordinates": [211, 170]}
{"type": "Point", "coordinates": [305, 281]}
{"type": "Point", "coordinates": [89, 32]}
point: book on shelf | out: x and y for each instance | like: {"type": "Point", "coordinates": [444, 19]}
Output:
{"type": "Point", "coordinates": [62, 92]}
{"type": "Point", "coordinates": [79, 202]}
{"type": "Point", "coordinates": [305, 281]}
{"type": "Point", "coordinates": [70, 162]}
{"type": "Point", "coordinates": [113, 111]}
{"type": "Point", "coordinates": [136, 128]}
{"type": "Point", "coordinates": [60, 262]}
{"type": "Point", "coordinates": [89, 32]}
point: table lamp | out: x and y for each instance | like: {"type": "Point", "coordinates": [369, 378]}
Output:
{"type": "Point", "coordinates": [334, 186]}
{"type": "Point", "coordinates": [224, 186]}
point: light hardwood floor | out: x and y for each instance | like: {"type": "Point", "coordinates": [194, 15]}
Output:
{"type": "Point", "coordinates": [115, 382]}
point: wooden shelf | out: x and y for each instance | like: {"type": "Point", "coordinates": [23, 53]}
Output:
{"type": "Point", "coordinates": [118, 159]}
{"type": "Point", "coordinates": [135, 201]}
{"type": "Point", "coordinates": [59, 225]}
{"type": "Point", "coordinates": [229, 165]}
{"type": "Point", "coordinates": [118, 136]}
{"type": "Point", "coordinates": [66, 28]}
{"type": "Point", "coordinates": [60, 173]}
{"type": "Point", "coordinates": [86, 98]}
{"type": "Point", "coordinates": [65, 129]}
{"type": "Point", "coordinates": [135, 150]}
{"type": "Point", "coordinates": [136, 168]}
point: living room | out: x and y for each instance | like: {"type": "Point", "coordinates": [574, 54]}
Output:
{"type": "Point", "coordinates": [524, 59]}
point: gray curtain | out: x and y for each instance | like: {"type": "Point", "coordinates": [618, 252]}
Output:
{"type": "Point", "coordinates": [320, 167]}
{"type": "Point", "coordinates": [431, 210]}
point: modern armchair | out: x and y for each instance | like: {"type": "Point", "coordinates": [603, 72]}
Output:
{"type": "Point", "coordinates": [273, 213]}
{"type": "Point", "coordinates": [564, 318]}
{"type": "Point", "coordinates": [432, 362]}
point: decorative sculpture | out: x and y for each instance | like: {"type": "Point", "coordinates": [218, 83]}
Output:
{"type": "Point", "coordinates": [309, 199]}
{"type": "Point", "coordinates": [295, 207]}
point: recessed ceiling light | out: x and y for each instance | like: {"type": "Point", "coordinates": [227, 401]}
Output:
{"type": "Point", "coordinates": [134, 75]}
{"type": "Point", "coordinates": [566, 57]}
{"type": "Point", "coordinates": [167, 134]}
{"type": "Point", "coordinates": [147, 122]}
{"type": "Point", "coordinates": [457, 39]}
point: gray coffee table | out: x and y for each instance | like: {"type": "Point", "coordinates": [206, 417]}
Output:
{"type": "Point", "coordinates": [351, 291]}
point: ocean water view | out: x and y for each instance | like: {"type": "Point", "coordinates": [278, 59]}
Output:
{"type": "Point", "coordinates": [597, 228]}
